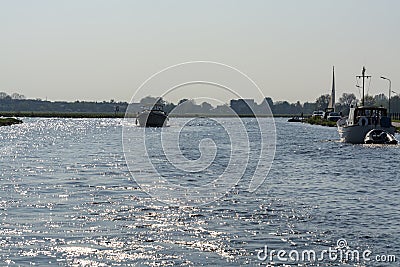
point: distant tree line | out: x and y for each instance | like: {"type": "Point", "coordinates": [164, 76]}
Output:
{"type": "Point", "coordinates": [343, 104]}
{"type": "Point", "coordinates": [18, 103]}
{"type": "Point", "coordinates": [345, 101]}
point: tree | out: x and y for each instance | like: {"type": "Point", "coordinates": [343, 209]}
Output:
{"type": "Point", "coordinates": [322, 102]}
{"type": "Point", "coordinates": [308, 108]}
{"type": "Point", "coordinates": [223, 109]}
{"type": "Point", "coordinates": [169, 107]}
{"type": "Point", "coordinates": [150, 101]}
{"type": "Point", "coordinates": [262, 108]}
{"type": "Point", "coordinates": [17, 96]}
{"type": "Point", "coordinates": [186, 106]}
{"type": "Point", "coordinates": [3, 95]}
{"type": "Point", "coordinates": [369, 100]}
{"type": "Point", "coordinates": [206, 107]}
{"type": "Point", "coordinates": [182, 101]}
{"type": "Point", "coordinates": [282, 107]}
{"type": "Point", "coordinates": [395, 104]}
{"type": "Point", "coordinates": [269, 101]}
{"type": "Point", "coordinates": [347, 99]}
{"type": "Point", "coordinates": [381, 100]}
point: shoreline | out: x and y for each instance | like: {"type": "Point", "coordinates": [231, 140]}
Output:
{"type": "Point", "coordinates": [122, 115]}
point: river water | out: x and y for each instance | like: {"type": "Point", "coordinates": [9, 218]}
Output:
{"type": "Point", "coordinates": [68, 198]}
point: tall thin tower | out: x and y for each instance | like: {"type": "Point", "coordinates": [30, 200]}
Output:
{"type": "Point", "coordinates": [332, 98]}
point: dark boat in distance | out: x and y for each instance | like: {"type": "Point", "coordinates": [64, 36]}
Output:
{"type": "Point", "coordinates": [154, 117]}
{"type": "Point", "coordinates": [296, 119]}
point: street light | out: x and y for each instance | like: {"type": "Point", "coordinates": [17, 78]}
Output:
{"type": "Point", "coordinates": [390, 90]}
{"type": "Point", "coordinates": [397, 96]}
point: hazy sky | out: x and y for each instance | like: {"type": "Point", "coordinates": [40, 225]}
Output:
{"type": "Point", "coordinates": [102, 50]}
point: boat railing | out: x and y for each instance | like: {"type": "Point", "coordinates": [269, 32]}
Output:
{"type": "Point", "coordinates": [395, 116]}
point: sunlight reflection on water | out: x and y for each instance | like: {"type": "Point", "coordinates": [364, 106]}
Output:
{"type": "Point", "coordinates": [67, 198]}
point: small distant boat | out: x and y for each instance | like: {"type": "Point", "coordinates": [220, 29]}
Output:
{"type": "Point", "coordinates": [364, 120]}
{"type": "Point", "coordinates": [376, 136]}
{"type": "Point", "coordinates": [295, 119]}
{"type": "Point", "coordinates": [9, 121]}
{"type": "Point", "coordinates": [154, 117]}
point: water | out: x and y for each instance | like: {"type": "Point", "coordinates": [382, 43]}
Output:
{"type": "Point", "coordinates": [67, 198]}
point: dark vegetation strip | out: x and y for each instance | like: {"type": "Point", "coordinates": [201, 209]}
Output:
{"type": "Point", "coordinates": [320, 121]}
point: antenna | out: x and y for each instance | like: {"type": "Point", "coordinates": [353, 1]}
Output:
{"type": "Point", "coordinates": [363, 76]}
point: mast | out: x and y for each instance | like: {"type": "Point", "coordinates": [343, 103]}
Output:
{"type": "Point", "coordinates": [332, 99]}
{"type": "Point", "coordinates": [363, 76]}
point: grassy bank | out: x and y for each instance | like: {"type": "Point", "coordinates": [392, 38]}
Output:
{"type": "Point", "coordinates": [9, 121]}
{"type": "Point", "coordinates": [396, 125]}
{"type": "Point", "coordinates": [320, 121]}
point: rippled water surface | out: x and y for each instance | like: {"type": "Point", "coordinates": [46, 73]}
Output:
{"type": "Point", "coordinates": [67, 198]}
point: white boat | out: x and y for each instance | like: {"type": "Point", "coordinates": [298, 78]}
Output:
{"type": "Point", "coordinates": [362, 120]}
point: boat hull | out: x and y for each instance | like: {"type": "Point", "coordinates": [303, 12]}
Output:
{"type": "Point", "coordinates": [355, 134]}
{"type": "Point", "coordinates": [295, 119]}
{"type": "Point", "coordinates": [152, 119]}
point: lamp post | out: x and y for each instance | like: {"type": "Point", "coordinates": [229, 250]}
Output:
{"type": "Point", "coordinates": [390, 90]}
{"type": "Point", "coordinates": [397, 114]}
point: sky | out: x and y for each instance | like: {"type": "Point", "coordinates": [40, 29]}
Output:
{"type": "Point", "coordinates": [99, 50]}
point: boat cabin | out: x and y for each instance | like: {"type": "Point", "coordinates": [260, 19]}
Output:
{"type": "Point", "coordinates": [153, 107]}
{"type": "Point", "coordinates": [369, 116]}
{"type": "Point", "coordinates": [158, 107]}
